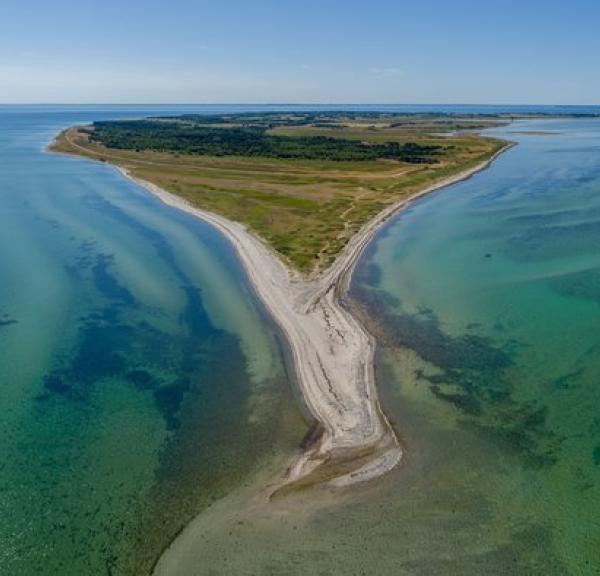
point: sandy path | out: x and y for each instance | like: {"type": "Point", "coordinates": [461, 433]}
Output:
{"type": "Point", "coordinates": [332, 353]}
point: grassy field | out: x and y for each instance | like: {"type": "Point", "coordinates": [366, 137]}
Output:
{"type": "Point", "coordinates": [305, 209]}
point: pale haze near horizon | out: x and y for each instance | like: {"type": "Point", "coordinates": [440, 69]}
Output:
{"type": "Point", "coordinates": [181, 51]}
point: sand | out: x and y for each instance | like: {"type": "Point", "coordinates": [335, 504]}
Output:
{"type": "Point", "coordinates": [333, 355]}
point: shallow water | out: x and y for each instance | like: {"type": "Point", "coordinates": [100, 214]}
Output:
{"type": "Point", "coordinates": [489, 295]}
{"type": "Point", "coordinates": [130, 343]}
{"type": "Point", "coordinates": [139, 378]}
{"type": "Point", "coordinates": [485, 300]}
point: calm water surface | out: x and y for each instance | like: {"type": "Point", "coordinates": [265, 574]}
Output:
{"type": "Point", "coordinates": [485, 299]}
{"type": "Point", "coordinates": [489, 299]}
{"type": "Point", "coordinates": [140, 381]}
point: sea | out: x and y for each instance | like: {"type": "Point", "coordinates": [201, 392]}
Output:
{"type": "Point", "coordinates": [142, 383]}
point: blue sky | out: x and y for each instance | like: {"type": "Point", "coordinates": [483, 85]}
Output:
{"type": "Point", "coordinates": [302, 51]}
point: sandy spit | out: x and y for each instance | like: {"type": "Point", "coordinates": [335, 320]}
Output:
{"type": "Point", "coordinates": [333, 354]}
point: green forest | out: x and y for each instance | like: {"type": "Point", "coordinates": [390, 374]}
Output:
{"type": "Point", "coordinates": [185, 136]}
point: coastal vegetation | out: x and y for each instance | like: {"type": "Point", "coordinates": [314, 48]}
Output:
{"type": "Point", "coordinates": [194, 138]}
{"type": "Point", "coordinates": [304, 182]}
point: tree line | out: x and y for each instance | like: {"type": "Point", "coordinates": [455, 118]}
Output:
{"type": "Point", "coordinates": [190, 138]}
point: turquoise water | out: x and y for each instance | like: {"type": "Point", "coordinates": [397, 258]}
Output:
{"type": "Point", "coordinates": [139, 379]}
{"type": "Point", "coordinates": [485, 301]}
{"type": "Point", "coordinates": [489, 295]}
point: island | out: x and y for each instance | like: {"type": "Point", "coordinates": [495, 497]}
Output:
{"type": "Point", "coordinates": [299, 195]}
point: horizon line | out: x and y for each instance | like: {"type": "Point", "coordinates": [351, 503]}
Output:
{"type": "Point", "coordinates": [461, 104]}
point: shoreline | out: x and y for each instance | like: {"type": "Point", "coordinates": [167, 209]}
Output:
{"type": "Point", "coordinates": [332, 353]}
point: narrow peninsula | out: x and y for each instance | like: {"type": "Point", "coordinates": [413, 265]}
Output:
{"type": "Point", "coordinates": [299, 195]}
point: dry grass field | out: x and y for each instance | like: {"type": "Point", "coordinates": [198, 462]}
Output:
{"type": "Point", "coordinates": [305, 209]}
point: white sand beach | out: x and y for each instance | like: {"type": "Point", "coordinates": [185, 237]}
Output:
{"type": "Point", "coordinates": [332, 353]}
